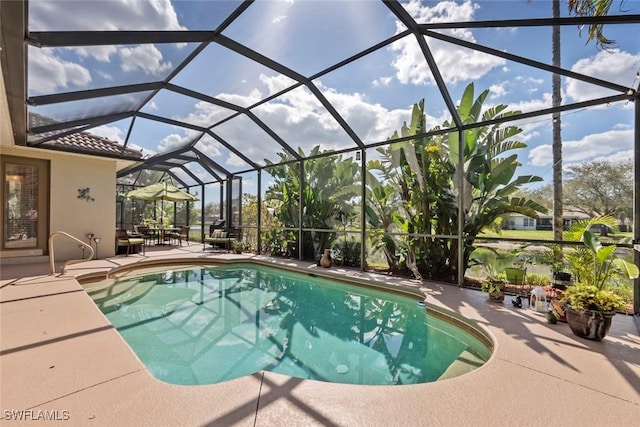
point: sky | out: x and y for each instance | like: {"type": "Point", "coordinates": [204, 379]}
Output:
{"type": "Point", "coordinates": [374, 95]}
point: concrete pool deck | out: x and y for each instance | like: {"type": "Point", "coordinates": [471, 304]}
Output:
{"type": "Point", "coordinates": [60, 358]}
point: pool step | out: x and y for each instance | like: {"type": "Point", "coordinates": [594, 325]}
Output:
{"type": "Point", "coordinates": [98, 285]}
{"type": "Point", "coordinates": [112, 293]}
{"type": "Point", "coordinates": [466, 362]}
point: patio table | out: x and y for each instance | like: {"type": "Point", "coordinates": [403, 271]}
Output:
{"type": "Point", "coordinates": [160, 232]}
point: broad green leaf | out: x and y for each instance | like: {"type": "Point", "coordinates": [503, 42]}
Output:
{"type": "Point", "coordinates": [502, 173]}
{"type": "Point", "coordinates": [470, 142]}
{"type": "Point", "coordinates": [604, 252]}
{"type": "Point", "coordinates": [464, 110]}
{"type": "Point", "coordinates": [630, 269]}
{"type": "Point", "coordinates": [453, 141]}
{"type": "Point", "coordinates": [591, 241]}
{"type": "Point", "coordinates": [410, 155]}
{"type": "Point", "coordinates": [474, 114]}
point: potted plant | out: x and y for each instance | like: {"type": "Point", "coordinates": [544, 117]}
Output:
{"type": "Point", "coordinates": [239, 246]}
{"type": "Point", "coordinates": [494, 285]}
{"type": "Point", "coordinates": [592, 303]}
{"type": "Point", "coordinates": [495, 289]}
{"type": "Point", "coordinates": [552, 257]}
{"type": "Point", "coordinates": [590, 310]}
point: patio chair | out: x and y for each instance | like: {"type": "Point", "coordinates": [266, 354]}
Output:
{"type": "Point", "coordinates": [517, 277]}
{"type": "Point", "coordinates": [146, 233]}
{"type": "Point", "coordinates": [219, 239]}
{"type": "Point", "coordinates": [124, 239]}
{"type": "Point", "coordinates": [182, 232]}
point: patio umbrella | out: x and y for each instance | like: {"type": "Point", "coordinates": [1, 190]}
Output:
{"type": "Point", "coordinates": [161, 191]}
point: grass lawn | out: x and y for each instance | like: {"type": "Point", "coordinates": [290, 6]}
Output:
{"type": "Point", "coordinates": [520, 234]}
{"type": "Point", "coordinates": [542, 235]}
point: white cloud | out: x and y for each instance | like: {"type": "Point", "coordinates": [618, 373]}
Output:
{"type": "Point", "coordinates": [622, 126]}
{"type": "Point", "coordinates": [371, 122]}
{"type": "Point", "coordinates": [48, 72]}
{"type": "Point", "coordinates": [528, 135]}
{"type": "Point", "coordinates": [297, 117]}
{"type": "Point", "coordinates": [278, 19]}
{"type": "Point", "coordinates": [235, 161]}
{"type": "Point", "coordinates": [498, 90]}
{"type": "Point", "coordinates": [613, 66]}
{"type": "Point", "coordinates": [100, 53]}
{"type": "Point", "coordinates": [103, 75]}
{"type": "Point", "coordinates": [209, 147]}
{"type": "Point", "coordinates": [533, 104]}
{"type": "Point", "coordinates": [103, 15]}
{"type": "Point", "coordinates": [456, 63]}
{"type": "Point", "coordinates": [528, 81]}
{"type": "Point", "coordinates": [52, 72]}
{"type": "Point", "coordinates": [174, 141]}
{"type": "Point", "coordinates": [205, 114]}
{"type": "Point", "coordinates": [529, 84]}
{"type": "Point", "coordinates": [604, 145]}
{"type": "Point", "coordinates": [382, 81]}
{"type": "Point", "coordinates": [277, 83]}
{"type": "Point", "coordinates": [145, 58]}
{"type": "Point", "coordinates": [110, 132]}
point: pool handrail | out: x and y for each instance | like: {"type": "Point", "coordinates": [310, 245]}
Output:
{"type": "Point", "coordinates": [52, 266]}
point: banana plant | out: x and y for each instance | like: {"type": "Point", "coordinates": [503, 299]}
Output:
{"type": "Point", "coordinates": [330, 184]}
{"type": "Point", "coordinates": [422, 171]}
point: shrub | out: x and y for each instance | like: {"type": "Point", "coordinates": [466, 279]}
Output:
{"type": "Point", "coordinates": [534, 279]}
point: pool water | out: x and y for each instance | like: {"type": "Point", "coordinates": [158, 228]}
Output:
{"type": "Point", "coordinates": [207, 324]}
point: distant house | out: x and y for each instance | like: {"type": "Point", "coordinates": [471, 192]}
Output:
{"type": "Point", "coordinates": [516, 221]}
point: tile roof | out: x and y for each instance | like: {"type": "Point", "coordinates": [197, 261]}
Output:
{"type": "Point", "coordinates": [80, 142]}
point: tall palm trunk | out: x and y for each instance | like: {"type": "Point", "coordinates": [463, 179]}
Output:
{"type": "Point", "coordinates": [556, 99]}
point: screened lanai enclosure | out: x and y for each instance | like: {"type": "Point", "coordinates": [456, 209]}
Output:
{"type": "Point", "coordinates": [440, 139]}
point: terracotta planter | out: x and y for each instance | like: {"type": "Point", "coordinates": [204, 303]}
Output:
{"type": "Point", "coordinates": [589, 324]}
{"type": "Point", "coordinates": [325, 261]}
{"type": "Point", "coordinates": [497, 296]}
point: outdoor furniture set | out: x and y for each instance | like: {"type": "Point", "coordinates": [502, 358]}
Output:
{"type": "Point", "coordinates": [220, 237]}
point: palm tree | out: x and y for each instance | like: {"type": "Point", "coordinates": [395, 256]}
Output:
{"type": "Point", "coordinates": [556, 99]}
{"type": "Point", "coordinates": [593, 8]}
{"type": "Point", "coordinates": [580, 8]}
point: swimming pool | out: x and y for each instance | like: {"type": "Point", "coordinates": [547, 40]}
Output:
{"type": "Point", "coordinates": [204, 324]}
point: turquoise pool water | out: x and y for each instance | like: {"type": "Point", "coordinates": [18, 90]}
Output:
{"type": "Point", "coordinates": [208, 324]}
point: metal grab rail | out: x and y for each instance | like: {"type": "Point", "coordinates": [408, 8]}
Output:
{"type": "Point", "coordinates": [52, 266]}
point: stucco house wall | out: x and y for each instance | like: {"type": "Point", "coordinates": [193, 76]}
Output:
{"type": "Point", "coordinates": [68, 213]}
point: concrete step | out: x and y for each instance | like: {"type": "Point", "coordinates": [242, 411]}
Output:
{"type": "Point", "coordinates": [24, 260]}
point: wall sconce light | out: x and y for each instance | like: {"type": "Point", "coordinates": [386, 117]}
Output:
{"type": "Point", "coordinates": [97, 240]}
